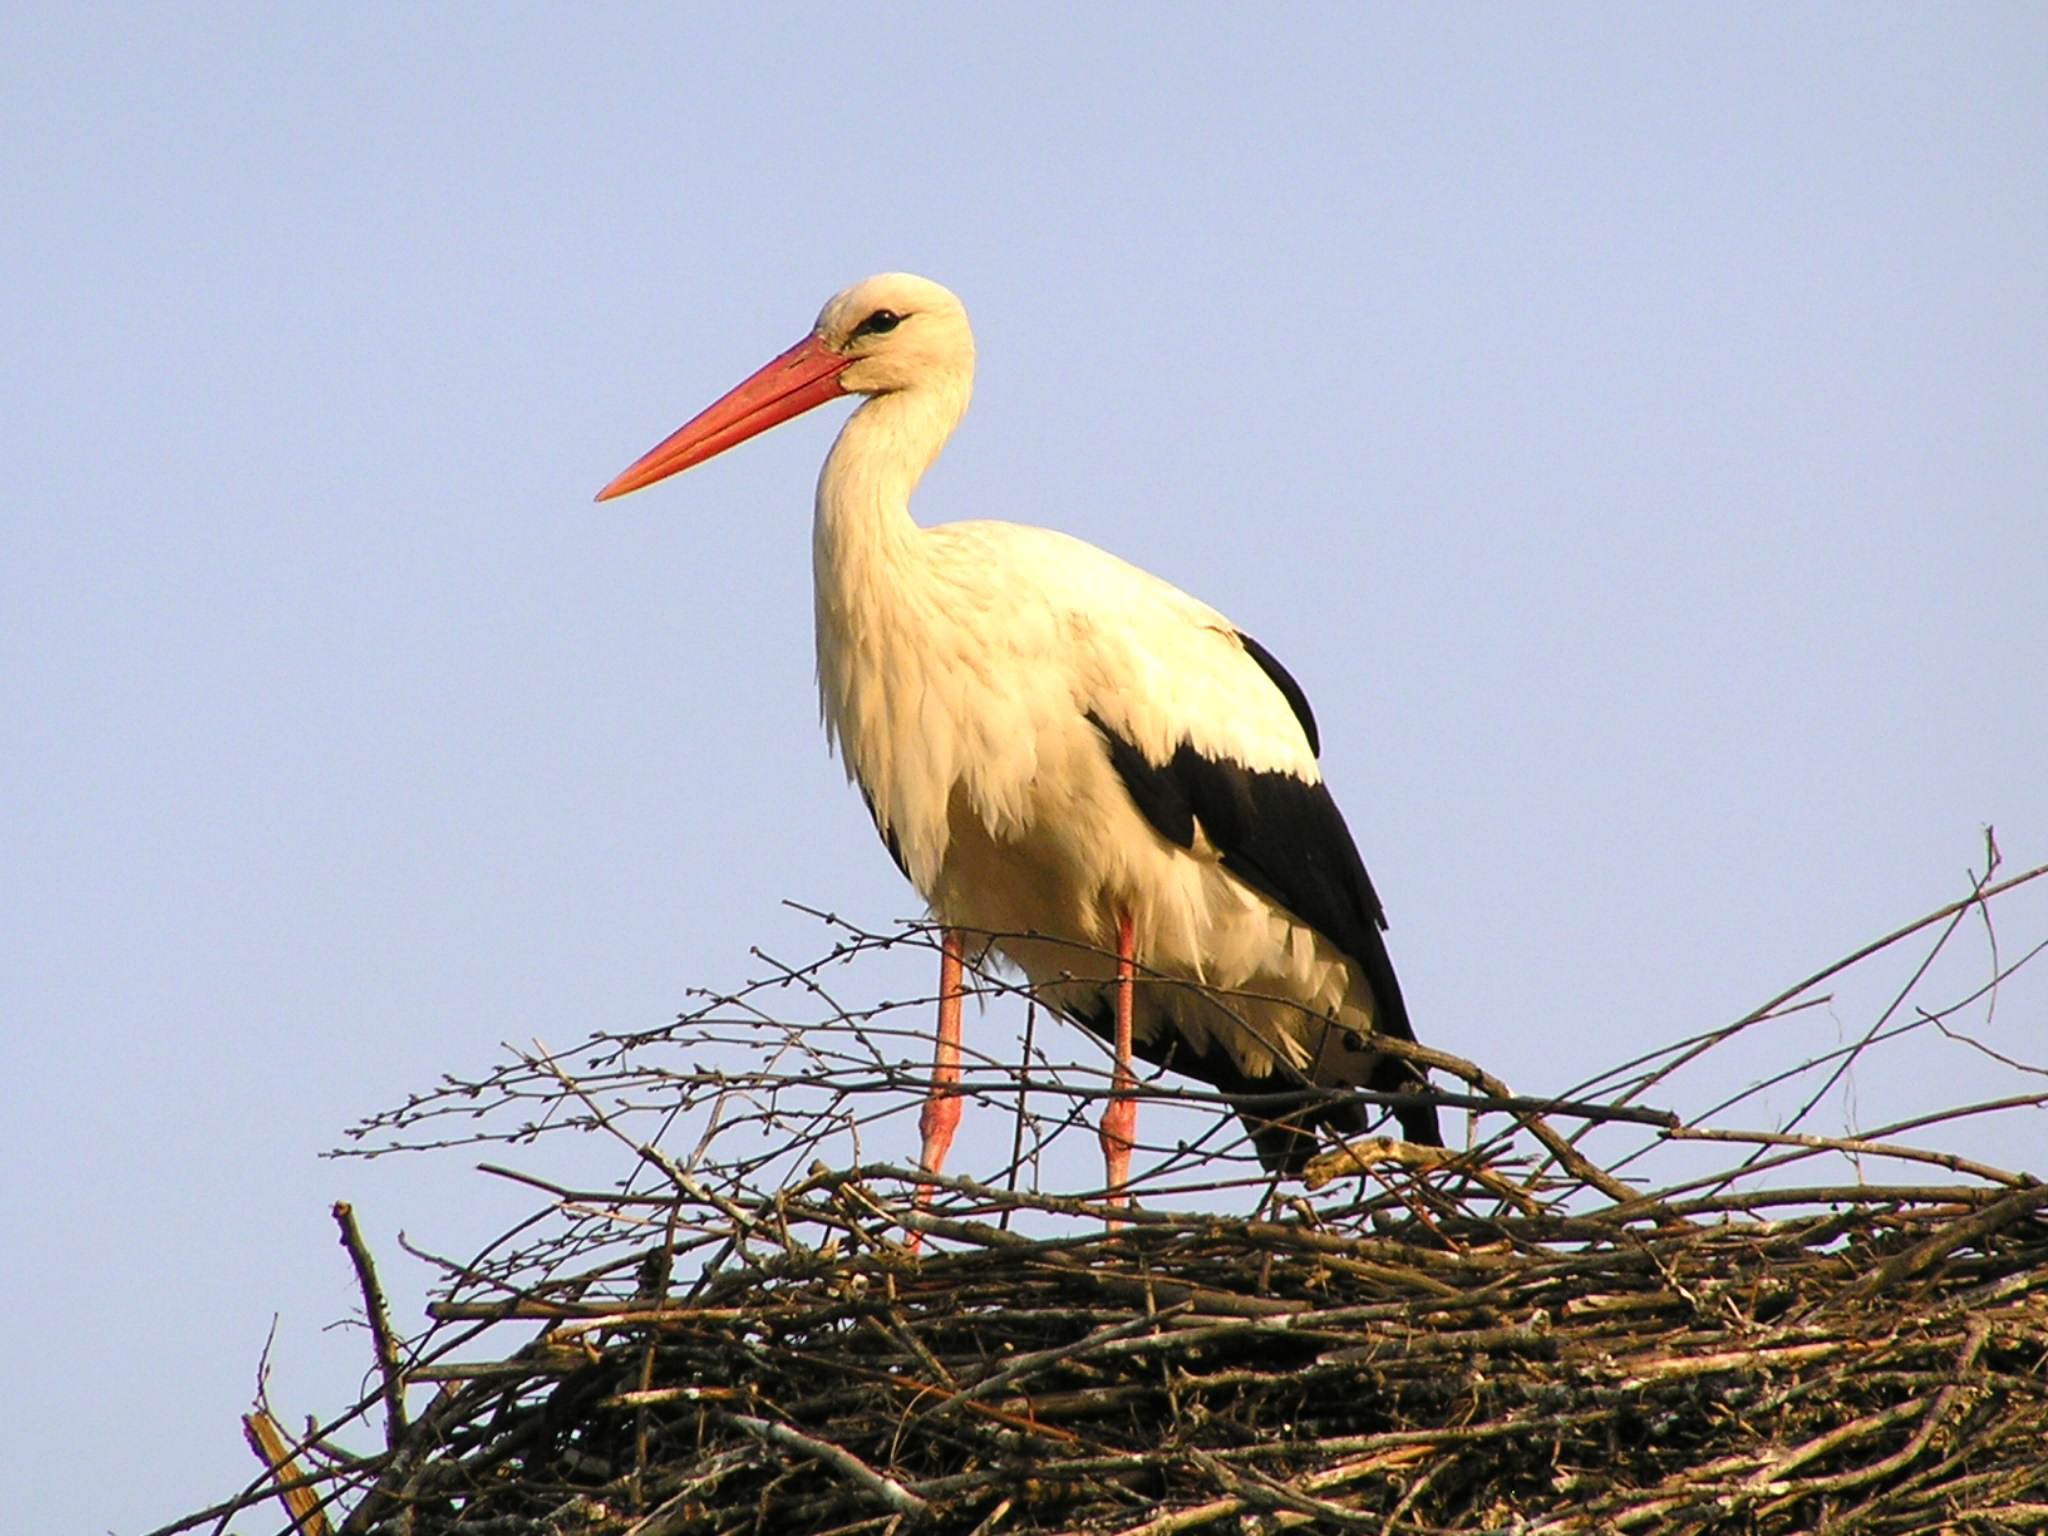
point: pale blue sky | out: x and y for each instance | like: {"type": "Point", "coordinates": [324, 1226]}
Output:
{"type": "Point", "coordinates": [1628, 424]}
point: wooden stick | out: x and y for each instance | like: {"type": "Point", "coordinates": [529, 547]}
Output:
{"type": "Point", "coordinates": [301, 1501]}
{"type": "Point", "coordinates": [379, 1314]}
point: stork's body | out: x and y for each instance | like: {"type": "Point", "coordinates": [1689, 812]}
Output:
{"type": "Point", "coordinates": [1073, 755]}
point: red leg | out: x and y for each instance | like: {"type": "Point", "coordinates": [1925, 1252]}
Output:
{"type": "Point", "coordinates": [941, 1115]}
{"type": "Point", "coordinates": [1120, 1119]}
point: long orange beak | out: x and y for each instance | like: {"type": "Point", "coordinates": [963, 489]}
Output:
{"type": "Point", "coordinates": [806, 375]}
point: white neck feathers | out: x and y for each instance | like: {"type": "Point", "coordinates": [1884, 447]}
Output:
{"type": "Point", "coordinates": [874, 615]}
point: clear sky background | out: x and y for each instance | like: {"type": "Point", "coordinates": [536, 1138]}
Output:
{"type": "Point", "coordinates": [1630, 425]}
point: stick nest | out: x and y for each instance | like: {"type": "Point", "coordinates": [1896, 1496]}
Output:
{"type": "Point", "coordinates": [1695, 1329]}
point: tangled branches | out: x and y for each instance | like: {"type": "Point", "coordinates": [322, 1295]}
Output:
{"type": "Point", "coordinates": [761, 1326]}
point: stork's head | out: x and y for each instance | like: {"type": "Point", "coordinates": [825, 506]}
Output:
{"type": "Point", "coordinates": [896, 331]}
{"type": "Point", "coordinates": [885, 335]}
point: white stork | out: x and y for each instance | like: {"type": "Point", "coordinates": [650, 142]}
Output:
{"type": "Point", "coordinates": [1066, 752]}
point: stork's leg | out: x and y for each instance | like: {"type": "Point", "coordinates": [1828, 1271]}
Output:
{"type": "Point", "coordinates": [941, 1115]}
{"type": "Point", "coordinates": [1120, 1119]}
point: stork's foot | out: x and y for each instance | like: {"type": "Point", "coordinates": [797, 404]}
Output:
{"type": "Point", "coordinates": [938, 1122]}
{"type": "Point", "coordinates": [941, 1118]}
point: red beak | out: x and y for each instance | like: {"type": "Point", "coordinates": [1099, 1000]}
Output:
{"type": "Point", "coordinates": [806, 375]}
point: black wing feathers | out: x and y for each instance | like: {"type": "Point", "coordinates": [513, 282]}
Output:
{"type": "Point", "coordinates": [1282, 837]}
{"type": "Point", "coordinates": [1290, 690]}
{"type": "Point", "coordinates": [887, 834]}
{"type": "Point", "coordinates": [1286, 839]}
{"type": "Point", "coordinates": [1161, 794]}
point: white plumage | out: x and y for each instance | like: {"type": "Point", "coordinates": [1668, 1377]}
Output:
{"type": "Point", "coordinates": [964, 717]}
{"type": "Point", "coordinates": [1056, 744]}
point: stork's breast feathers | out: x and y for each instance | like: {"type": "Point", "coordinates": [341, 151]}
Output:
{"type": "Point", "coordinates": [1008, 656]}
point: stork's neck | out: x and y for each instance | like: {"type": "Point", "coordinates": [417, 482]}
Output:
{"type": "Point", "coordinates": [878, 608]}
{"type": "Point", "coordinates": [863, 529]}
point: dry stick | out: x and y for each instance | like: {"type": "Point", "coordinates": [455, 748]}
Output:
{"type": "Point", "coordinates": [1558, 1146]}
{"type": "Point", "coordinates": [1944, 1116]}
{"type": "Point", "coordinates": [1758, 1163]}
{"type": "Point", "coordinates": [1856, 1193]}
{"type": "Point", "coordinates": [1850, 1059]}
{"type": "Point", "coordinates": [1743, 1200]}
{"type": "Point", "coordinates": [598, 1202]}
{"type": "Point", "coordinates": [1023, 1423]}
{"type": "Point", "coordinates": [1979, 1333]}
{"type": "Point", "coordinates": [1993, 858]}
{"type": "Point", "coordinates": [301, 1502]}
{"type": "Point", "coordinates": [1023, 1090]}
{"type": "Point", "coordinates": [1855, 957]}
{"type": "Point", "coordinates": [1367, 1156]}
{"type": "Point", "coordinates": [1416, 1490]}
{"type": "Point", "coordinates": [841, 1460]}
{"type": "Point", "coordinates": [1617, 1079]}
{"type": "Point", "coordinates": [1758, 1015]}
{"type": "Point", "coordinates": [1255, 1488]}
{"type": "Point", "coordinates": [1857, 1146]}
{"type": "Point", "coordinates": [647, 1151]}
{"type": "Point", "coordinates": [385, 1343]}
{"type": "Point", "coordinates": [663, 1271]}
{"type": "Point", "coordinates": [1926, 1254]}
{"type": "Point", "coordinates": [959, 1485]}
{"type": "Point", "coordinates": [1988, 990]}
{"type": "Point", "coordinates": [272, 1448]}
{"type": "Point", "coordinates": [1200, 1515]}
{"type": "Point", "coordinates": [1023, 1365]}
{"type": "Point", "coordinates": [359, 1518]}
{"type": "Point", "coordinates": [1843, 1434]}
{"type": "Point", "coordinates": [822, 1177]}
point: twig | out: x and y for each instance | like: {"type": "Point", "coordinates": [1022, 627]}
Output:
{"type": "Point", "coordinates": [1968, 1229]}
{"type": "Point", "coordinates": [1856, 1146]}
{"type": "Point", "coordinates": [389, 1366]}
{"type": "Point", "coordinates": [842, 1461]}
{"type": "Point", "coordinates": [1485, 1331]}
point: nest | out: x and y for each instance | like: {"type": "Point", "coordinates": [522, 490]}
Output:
{"type": "Point", "coordinates": [772, 1332]}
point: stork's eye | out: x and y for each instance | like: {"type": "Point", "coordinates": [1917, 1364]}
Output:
{"type": "Point", "coordinates": [880, 323]}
